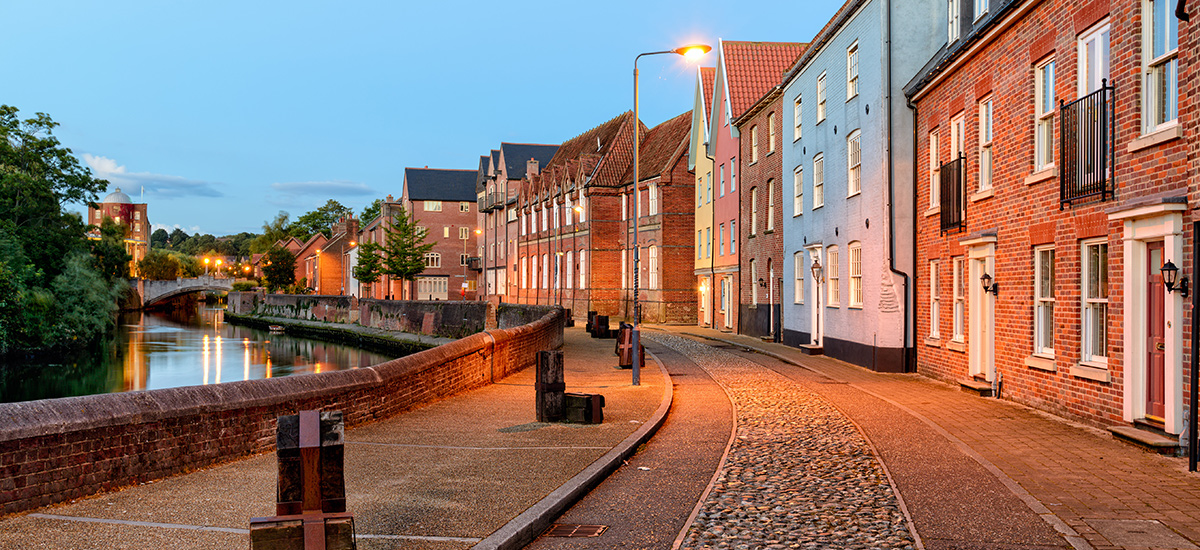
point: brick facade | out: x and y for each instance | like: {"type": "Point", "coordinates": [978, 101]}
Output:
{"type": "Point", "coordinates": [761, 231]}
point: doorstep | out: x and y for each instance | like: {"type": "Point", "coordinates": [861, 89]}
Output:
{"type": "Point", "coordinates": [981, 387]}
{"type": "Point", "coordinates": [1146, 439]}
{"type": "Point", "coordinates": [810, 349]}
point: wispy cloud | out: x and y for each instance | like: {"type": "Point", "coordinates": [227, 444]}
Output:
{"type": "Point", "coordinates": [331, 189]}
{"type": "Point", "coordinates": [156, 185]}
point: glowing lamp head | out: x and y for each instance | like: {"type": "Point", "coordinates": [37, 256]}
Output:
{"type": "Point", "coordinates": [693, 52]}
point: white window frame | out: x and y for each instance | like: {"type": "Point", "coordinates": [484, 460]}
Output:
{"type": "Point", "coordinates": [733, 237]}
{"type": "Point", "coordinates": [652, 255]}
{"type": "Point", "coordinates": [753, 144]}
{"type": "Point", "coordinates": [582, 269]}
{"type": "Point", "coordinates": [798, 189]}
{"type": "Point", "coordinates": [1043, 300]}
{"type": "Point", "coordinates": [986, 162]}
{"type": "Point", "coordinates": [464, 233]}
{"type": "Point", "coordinates": [433, 206]}
{"type": "Point", "coordinates": [433, 259]}
{"type": "Point", "coordinates": [445, 232]}
{"type": "Point", "coordinates": [524, 272]}
{"type": "Point", "coordinates": [935, 170]}
{"type": "Point", "coordinates": [770, 204]}
{"type": "Point", "coordinates": [708, 187]}
{"type": "Point", "coordinates": [799, 269]}
{"type": "Point", "coordinates": [1093, 306]}
{"type": "Point", "coordinates": [953, 13]}
{"type": "Point", "coordinates": [463, 259]}
{"type": "Point", "coordinates": [652, 192]}
{"type": "Point", "coordinates": [853, 163]}
{"type": "Point", "coordinates": [832, 282]}
{"type": "Point", "coordinates": [721, 240]}
{"type": "Point", "coordinates": [770, 132]}
{"type": "Point", "coordinates": [798, 115]}
{"type": "Point", "coordinates": [624, 268]}
{"type": "Point", "coordinates": [464, 206]}
{"type": "Point", "coordinates": [852, 71]}
{"type": "Point", "coordinates": [818, 181]}
{"type": "Point", "coordinates": [856, 287]}
{"type": "Point", "coordinates": [959, 263]}
{"type": "Point", "coordinates": [1043, 110]}
{"type": "Point", "coordinates": [1094, 47]}
{"type": "Point", "coordinates": [981, 8]}
{"type": "Point", "coordinates": [624, 206]}
{"type": "Point", "coordinates": [708, 242]}
{"type": "Point", "coordinates": [722, 190]}
{"type": "Point", "coordinates": [699, 244]}
{"type": "Point", "coordinates": [733, 174]}
{"type": "Point", "coordinates": [753, 210]}
{"type": "Point", "coordinates": [753, 282]}
{"type": "Point", "coordinates": [821, 85]}
{"type": "Point", "coordinates": [1161, 102]}
{"type": "Point", "coordinates": [935, 301]}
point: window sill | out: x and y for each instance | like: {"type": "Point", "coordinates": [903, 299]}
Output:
{"type": "Point", "coordinates": [768, 232]}
{"type": "Point", "coordinates": [854, 194]}
{"type": "Point", "coordinates": [769, 153]}
{"type": "Point", "coordinates": [1041, 363]}
{"type": "Point", "coordinates": [851, 97]}
{"type": "Point", "coordinates": [933, 342]}
{"type": "Point", "coordinates": [750, 236]}
{"type": "Point", "coordinates": [819, 206]}
{"type": "Point", "coordinates": [855, 306]}
{"type": "Point", "coordinates": [933, 211]}
{"type": "Point", "coordinates": [833, 306]}
{"type": "Point", "coordinates": [1091, 371]}
{"type": "Point", "coordinates": [752, 163]}
{"type": "Point", "coordinates": [955, 345]}
{"type": "Point", "coordinates": [797, 214]}
{"type": "Point", "coordinates": [985, 194]}
{"type": "Point", "coordinates": [797, 138]}
{"type": "Point", "coordinates": [1157, 137]}
{"type": "Point", "coordinates": [1048, 172]}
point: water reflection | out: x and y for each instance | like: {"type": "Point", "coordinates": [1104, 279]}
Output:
{"type": "Point", "coordinates": [184, 347]}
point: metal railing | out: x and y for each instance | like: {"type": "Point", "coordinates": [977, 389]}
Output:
{"type": "Point", "coordinates": [953, 194]}
{"type": "Point", "coordinates": [1086, 147]}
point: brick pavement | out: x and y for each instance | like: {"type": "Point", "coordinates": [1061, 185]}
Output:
{"type": "Point", "coordinates": [1096, 491]}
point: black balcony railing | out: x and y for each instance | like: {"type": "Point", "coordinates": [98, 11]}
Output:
{"type": "Point", "coordinates": [1086, 147]}
{"type": "Point", "coordinates": [953, 194]}
{"type": "Point", "coordinates": [475, 263]}
{"type": "Point", "coordinates": [491, 201]}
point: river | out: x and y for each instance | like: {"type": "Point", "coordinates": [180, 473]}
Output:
{"type": "Point", "coordinates": [187, 346]}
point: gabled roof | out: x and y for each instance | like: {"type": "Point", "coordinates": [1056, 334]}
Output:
{"type": "Point", "coordinates": [661, 146]}
{"type": "Point", "coordinates": [597, 141]}
{"type": "Point", "coordinates": [827, 33]}
{"type": "Point", "coordinates": [950, 52]}
{"type": "Point", "coordinates": [751, 69]}
{"type": "Point", "coordinates": [482, 176]}
{"type": "Point", "coordinates": [306, 250]}
{"type": "Point", "coordinates": [707, 77]}
{"type": "Point", "coordinates": [517, 155]}
{"type": "Point", "coordinates": [434, 184]}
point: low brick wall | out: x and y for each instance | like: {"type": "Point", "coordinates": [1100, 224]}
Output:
{"type": "Point", "coordinates": [309, 307]}
{"type": "Point", "coordinates": [444, 319]}
{"type": "Point", "coordinates": [62, 449]}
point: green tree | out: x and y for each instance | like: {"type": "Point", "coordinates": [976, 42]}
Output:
{"type": "Point", "coordinates": [80, 293]}
{"type": "Point", "coordinates": [177, 238]}
{"type": "Point", "coordinates": [108, 253]}
{"type": "Point", "coordinates": [405, 247]}
{"type": "Point", "coordinates": [369, 265]}
{"type": "Point", "coordinates": [371, 211]}
{"type": "Point", "coordinates": [273, 231]}
{"type": "Point", "coordinates": [160, 238]}
{"type": "Point", "coordinates": [279, 267]}
{"type": "Point", "coordinates": [320, 220]}
{"type": "Point", "coordinates": [159, 265]}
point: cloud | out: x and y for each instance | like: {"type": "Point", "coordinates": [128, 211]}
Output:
{"type": "Point", "coordinates": [156, 185]}
{"type": "Point", "coordinates": [323, 188]}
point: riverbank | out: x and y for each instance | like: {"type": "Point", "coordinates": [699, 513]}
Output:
{"type": "Point", "coordinates": [370, 338]}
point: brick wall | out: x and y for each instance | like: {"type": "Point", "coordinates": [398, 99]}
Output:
{"type": "Point", "coordinates": [758, 243]}
{"type": "Point", "coordinates": [62, 449]}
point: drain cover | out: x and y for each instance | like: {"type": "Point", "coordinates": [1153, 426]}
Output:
{"type": "Point", "coordinates": [1129, 532]}
{"type": "Point", "coordinates": [569, 530]}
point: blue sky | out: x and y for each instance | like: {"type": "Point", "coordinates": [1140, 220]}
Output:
{"type": "Point", "coordinates": [228, 112]}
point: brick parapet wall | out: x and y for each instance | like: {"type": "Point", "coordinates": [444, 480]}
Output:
{"type": "Point", "coordinates": [61, 449]}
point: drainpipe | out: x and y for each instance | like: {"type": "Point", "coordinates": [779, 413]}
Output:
{"type": "Point", "coordinates": [909, 281]}
{"type": "Point", "coordinates": [910, 364]}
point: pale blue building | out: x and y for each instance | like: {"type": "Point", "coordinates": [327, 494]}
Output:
{"type": "Point", "coordinates": [849, 193]}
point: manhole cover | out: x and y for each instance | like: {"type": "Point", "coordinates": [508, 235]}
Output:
{"type": "Point", "coordinates": [1132, 532]}
{"type": "Point", "coordinates": [568, 530]}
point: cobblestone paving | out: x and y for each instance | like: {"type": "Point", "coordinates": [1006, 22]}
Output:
{"type": "Point", "coordinates": [799, 474]}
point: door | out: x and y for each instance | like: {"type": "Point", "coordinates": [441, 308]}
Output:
{"type": "Point", "coordinates": [981, 320]}
{"type": "Point", "coordinates": [1156, 345]}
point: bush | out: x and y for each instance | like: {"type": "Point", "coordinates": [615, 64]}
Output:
{"type": "Point", "coordinates": [244, 286]}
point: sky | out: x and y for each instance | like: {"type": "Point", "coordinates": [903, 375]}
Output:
{"type": "Point", "coordinates": [219, 114]}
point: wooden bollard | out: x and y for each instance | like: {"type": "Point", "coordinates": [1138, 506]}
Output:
{"type": "Point", "coordinates": [549, 386]}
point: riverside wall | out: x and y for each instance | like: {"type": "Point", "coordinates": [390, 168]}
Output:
{"type": "Point", "coordinates": [57, 450]}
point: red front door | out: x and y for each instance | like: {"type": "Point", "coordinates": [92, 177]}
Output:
{"type": "Point", "coordinates": [1157, 344]}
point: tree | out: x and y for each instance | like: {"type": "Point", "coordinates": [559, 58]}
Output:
{"type": "Point", "coordinates": [279, 267]}
{"type": "Point", "coordinates": [320, 220]}
{"type": "Point", "coordinates": [160, 238]}
{"type": "Point", "coordinates": [371, 211]}
{"type": "Point", "coordinates": [108, 253]}
{"type": "Point", "coordinates": [177, 238]}
{"type": "Point", "coordinates": [159, 265]}
{"type": "Point", "coordinates": [273, 231]}
{"type": "Point", "coordinates": [369, 265]}
{"type": "Point", "coordinates": [405, 247]}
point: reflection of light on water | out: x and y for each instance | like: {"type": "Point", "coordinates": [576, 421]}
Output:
{"type": "Point", "coordinates": [245, 359]}
{"type": "Point", "coordinates": [268, 365]}
{"type": "Point", "coordinates": [204, 354]}
{"type": "Point", "coordinates": [218, 380]}
{"type": "Point", "coordinates": [318, 367]}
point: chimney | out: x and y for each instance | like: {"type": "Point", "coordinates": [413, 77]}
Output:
{"type": "Point", "coordinates": [389, 199]}
{"type": "Point", "coordinates": [531, 167]}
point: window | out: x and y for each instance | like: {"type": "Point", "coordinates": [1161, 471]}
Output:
{"type": "Point", "coordinates": [568, 213]}
{"type": "Point", "coordinates": [545, 219]}
{"type": "Point", "coordinates": [624, 207]}
{"type": "Point", "coordinates": [985, 144]}
{"type": "Point", "coordinates": [1044, 115]}
{"type": "Point", "coordinates": [770, 205]}
{"type": "Point", "coordinates": [1043, 301]}
{"type": "Point", "coordinates": [624, 268]}
{"type": "Point", "coordinates": [446, 232]}
{"type": "Point", "coordinates": [653, 192]}
{"type": "Point", "coordinates": [699, 244]}
{"type": "Point", "coordinates": [570, 274]}
{"type": "Point", "coordinates": [981, 7]}
{"type": "Point", "coordinates": [546, 271]}
{"type": "Point", "coordinates": [462, 259]}
{"type": "Point", "coordinates": [935, 300]}
{"type": "Point", "coordinates": [852, 71]}
{"type": "Point", "coordinates": [582, 268]}
{"type": "Point", "coordinates": [464, 207]}
{"type": "Point", "coordinates": [637, 204]}
{"type": "Point", "coordinates": [770, 132]}
{"type": "Point", "coordinates": [798, 268]}
{"type": "Point", "coordinates": [753, 282]}
{"type": "Point", "coordinates": [733, 236]}
{"type": "Point", "coordinates": [524, 224]}
{"type": "Point", "coordinates": [798, 188]}
{"type": "Point", "coordinates": [725, 295]}
{"type": "Point", "coordinates": [433, 259]}
{"type": "Point", "coordinates": [818, 181]}
{"type": "Point", "coordinates": [700, 193]}
{"type": "Point", "coordinates": [722, 180]}
{"type": "Point", "coordinates": [821, 98]}
{"type": "Point", "coordinates": [652, 254]}
{"type": "Point", "coordinates": [464, 233]}
{"type": "Point", "coordinates": [1161, 31]}
{"type": "Point", "coordinates": [708, 186]}
{"type": "Point", "coordinates": [1095, 302]}
{"type": "Point", "coordinates": [957, 136]}
{"type": "Point", "coordinates": [960, 299]}
{"type": "Point", "coordinates": [831, 277]}
{"type": "Point", "coordinates": [754, 144]}
{"type": "Point", "coordinates": [935, 171]}
{"type": "Point", "coordinates": [533, 271]}
{"type": "Point", "coordinates": [952, 25]}
{"type": "Point", "coordinates": [854, 163]}
{"type": "Point", "coordinates": [721, 240]}
{"type": "Point", "coordinates": [582, 208]}
{"type": "Point", "coordinates": [753, 210]}
{"type": "Point", "coordinates": [524, 273]}
{"type": "Point", "coordinates": [433, 206]}
{"type": "Point", "coordinates": [512, 215]}
{"type": "Point", "coordinates": [733, 174]}
{"type": "Point", "coordinates": [707, 242]}
{"type": "Point", "coordinates": [856, 290]}
{"type": "Point", "coordinates": [557, 275]}
{"type": "Point", "coordinates": [796, 132]}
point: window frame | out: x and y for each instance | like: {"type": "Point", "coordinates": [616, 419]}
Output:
{"type": "Point", "coordinates": [432, 206]}
{"type": "Point", "coordinates": [770, 204]}
{"type": "Point", "coordinates": [935, 169]}
{"type": "Point", "coordinates": [852, 71]}
{"type": "Point", "coordinates": [953, 20]}
{"type": "Point", "coordinates": [798, 116]}
{"type": "Point", "coordinates": [464, 206]}
{"type": "Point", "coordinates": [1088, 355]}
{"type": "Point", "coordinates": [853, 163]}
{"type": "Point", "coordinates": [770, 132]}
{"type": "Point", "coordinates": [753, 210]}
{"type": "Point", "coordinates": [987, 113]}
{"type": "Point", "coordinates": [753, 143]}
{"type": "Point", "coordinates": [753, 282]}
{"type": "Point", "coordinates": [1043, 115]}
{"type": "Point", "coordinates": [798, 269]}
{"type": "Point", "coordinates": [798, 191]}
{"type": "Point", "coordinates": [652, 267]}
{"type": "Point", "coordinates": [652, 194]}
{"type": "Point", "coordinates": [818, 181]}
{"type": "Point", "coordinates": [821, 97]}
{"type": "Point", "coordinates": [935, 301]}
{"type": "Point", "coordinates": [433, 260]}
{"type": "Point", "coordinates": [959, 265]}
{"type": "Point", "coordinates": [833, 289]}
{"type": "Point", "coordinates": [854, 248]}
{"type": "Point", "coordinates": [1154, 109]}
{"type": "Point", "coordinates": [1043, 303]}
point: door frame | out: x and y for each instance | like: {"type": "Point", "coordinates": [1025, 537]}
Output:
{"type": "Point", "coordinates": [1144, 224]}
{"type": "Point", "coordinates": [981, 308]}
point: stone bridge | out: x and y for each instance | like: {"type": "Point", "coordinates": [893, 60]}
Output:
{"type": "Point", "coordinates": [153, 292]}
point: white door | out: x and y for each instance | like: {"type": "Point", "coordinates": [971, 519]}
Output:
{"type": "Point", "coordinates": [981, 316]}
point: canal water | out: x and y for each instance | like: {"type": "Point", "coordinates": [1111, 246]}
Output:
{"type": "Point", "coordinates": [187, 346]}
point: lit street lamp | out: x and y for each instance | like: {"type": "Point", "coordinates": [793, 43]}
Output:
{"type": "Point", "coordinates": [691, 52]}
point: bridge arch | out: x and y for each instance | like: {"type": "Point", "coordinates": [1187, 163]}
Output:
{"type": "Point", "coordinates": [153, 292]}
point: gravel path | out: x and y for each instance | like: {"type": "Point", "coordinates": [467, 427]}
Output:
{"type": "Point", "coordinates": [799, 474]}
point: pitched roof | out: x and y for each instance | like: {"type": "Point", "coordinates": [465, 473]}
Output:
{"type": "Point", "coordinates": [826, 34]}
{"type": "Point", "coordinates": [950, 52]}
{"type": "Point", "coordinates": [598, 141]}
{"type": "Point", "coordinates": [517, 155]}
{"type": "Point", "coordinates": [753, 68]}
{"type": "Point", "coordinates": [661, 145]}
{"type": "Point", "coordinates": [482, 175]}
{"type": "Point", "coordinates": [433, 184]}
{"type": "Point", "coordinates": [707, 75]}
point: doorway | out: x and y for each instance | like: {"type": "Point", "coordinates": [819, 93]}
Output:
{"type": "Point", "coordinates": [1156, 342]}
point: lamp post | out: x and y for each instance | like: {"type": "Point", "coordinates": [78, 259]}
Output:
{"type": "Point", "coordinates": [817, 272]}
{"type": "Point", "coordinates": [691, 51]}
{"type": "Point", "coordinates": [206, 260]}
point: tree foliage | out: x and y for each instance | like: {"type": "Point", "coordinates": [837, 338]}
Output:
{"type": "Point", "coordinates": [159, 265]}
{"type": "Point", "coordinates": [369, 265]}
{"type": "Point", "coordinates": [320, 220]}
{"type": "Point", "coordinates": [273, 231]}
{"type": "Point", "coordinates": [108, 253]}
{"type": "Point", "coordinates": [160, 239]}
{"type": "Point", "coordinates": [404, 247]}
{"type": "Point", "coordinates": [279, 267]}
{"type": "Point", "coordinates": [371, 211]}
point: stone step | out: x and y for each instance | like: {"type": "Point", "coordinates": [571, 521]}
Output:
{"type": "Point", "coordinates": [1146, 439]}
{"type": "Point", "coordinates": [809, 349]}
{"type": "Point", "coordinates": [981, 387]}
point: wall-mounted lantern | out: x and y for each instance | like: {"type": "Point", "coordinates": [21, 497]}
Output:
{"type": "Point", "coordinates": [817, 270]}
{"type": "Point", "coordinates": [988, 285]}
{"type": "Point", "coordinates": [1171, 280]}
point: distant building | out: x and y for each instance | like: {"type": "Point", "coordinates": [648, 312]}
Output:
{"type": "Point", "coordinates": [444, 203]}
{"type": "Point", "coordinates": [500, 178]}
{"type": "Point", "coordinates": [123, 210]}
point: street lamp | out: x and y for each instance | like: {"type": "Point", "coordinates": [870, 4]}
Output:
{"type": "Point", "coordinates": [691, 52]}
{"type": "Point", "coordinates": [206, 260]}
{"type": "Point", "coordinates": [817, 272]}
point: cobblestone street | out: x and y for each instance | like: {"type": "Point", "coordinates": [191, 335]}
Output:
{"type": "Point", "coordinates": [798, 475]}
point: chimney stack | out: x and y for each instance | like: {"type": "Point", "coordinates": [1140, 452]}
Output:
{"type": "Point", "coordinates": [531, 167]}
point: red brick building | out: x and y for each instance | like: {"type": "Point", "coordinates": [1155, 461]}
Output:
{"type": "Point", "coordinates": [761, 231]}
{"type": "Point", "coordinates": [500, 178]}
{"type": "Point", "coordinates": [445, 204]}
{"type": "Point", "coordinates": [1053, 159]}
{"type": "Point", "coordinates": [121, 209]}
